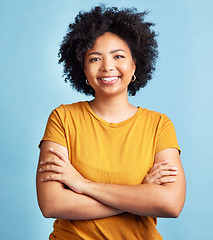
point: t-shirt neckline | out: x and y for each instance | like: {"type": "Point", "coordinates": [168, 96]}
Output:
{"type": "Point", "coordinates": [114, 125]}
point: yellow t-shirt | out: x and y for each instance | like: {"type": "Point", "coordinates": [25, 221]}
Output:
{"type": "Point", "coordinates": [121, 153]}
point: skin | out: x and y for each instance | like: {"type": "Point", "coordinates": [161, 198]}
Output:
{"type": "Point", "coordinates": [162, 193]}
{"type": "Point", "coordinates": [109, 59]}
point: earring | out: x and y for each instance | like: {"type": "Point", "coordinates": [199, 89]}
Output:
{"type": "Point", "coordinates": [133, 78]}
{"type": "Point", "coordinates": [87, 82]}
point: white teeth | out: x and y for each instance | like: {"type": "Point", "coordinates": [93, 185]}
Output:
{"type": "Point", "coordinates": [109, 79]}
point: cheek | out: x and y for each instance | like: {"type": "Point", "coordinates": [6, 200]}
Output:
{"type": "Point", "coordinates": [91, 71]}
{"type": "Point", "coordinates": [87, 72]}
{"type": "Point", "coordinates": [128, 69]}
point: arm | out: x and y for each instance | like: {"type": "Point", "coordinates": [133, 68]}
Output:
{"type": "Point", "coordinates": [55, 201]}
{"type": "Point", "coordinates": [165, 200]}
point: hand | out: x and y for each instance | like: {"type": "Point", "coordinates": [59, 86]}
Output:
{"type": "Point", "coordinates": [60, 169]}
{"type": "Point", "coordinates": [161, 173]}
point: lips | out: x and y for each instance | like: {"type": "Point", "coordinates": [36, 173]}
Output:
{"type": "Point", "coordinates": [109, 79]}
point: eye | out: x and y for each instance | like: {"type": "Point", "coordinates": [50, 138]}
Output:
{"type": "Point", "coordinates": [119, 56]}
{"type": "Point", "coordinates": [94, 59]}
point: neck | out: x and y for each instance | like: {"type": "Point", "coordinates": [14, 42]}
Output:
{"type": "Point", "coordinates": [115, 109]}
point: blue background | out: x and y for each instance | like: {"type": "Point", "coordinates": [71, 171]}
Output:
{"type": "Point", "coordinates": [32, 85]}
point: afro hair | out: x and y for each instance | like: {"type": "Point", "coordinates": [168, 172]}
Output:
{"type": "Point", "coordinates": [126, 23]}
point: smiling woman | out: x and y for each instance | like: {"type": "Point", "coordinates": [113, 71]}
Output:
{"type": "Point", "coordinates": [107, 169]}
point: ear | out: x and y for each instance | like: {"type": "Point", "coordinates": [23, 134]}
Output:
{"type": "Point", "coordinates": [133, 66]}
{"type": "Point", "coordinates": [83, 66]}
{"type": "Point", "coordinates": [84, 69]}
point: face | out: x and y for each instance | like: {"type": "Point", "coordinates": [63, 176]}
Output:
{"type": "Point", "coordinates": [109, 66]}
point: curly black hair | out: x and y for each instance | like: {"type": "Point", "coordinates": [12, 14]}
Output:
{"type": "Point", "coordinates": [128, 24]}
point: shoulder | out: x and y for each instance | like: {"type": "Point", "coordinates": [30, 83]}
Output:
{"type": "Point", "coordinates": [156, 120]}
{"type": "Point", "coordinates": [68, 112]}
{"type": "Point", "coordinates": [163, 128]}
{"type": "Point", "coordinates": [69, 108]}
{"type": "Point", "coordinates": [154, 116]}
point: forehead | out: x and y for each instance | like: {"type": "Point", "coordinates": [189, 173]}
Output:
{"type": "Point", "coordinates": [108, 42]}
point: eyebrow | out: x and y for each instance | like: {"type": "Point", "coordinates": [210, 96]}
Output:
{"type": "Point", "coordinates": [111, 52]}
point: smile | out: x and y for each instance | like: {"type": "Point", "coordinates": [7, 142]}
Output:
{"type": "Point", "coordinates": [109, 79]}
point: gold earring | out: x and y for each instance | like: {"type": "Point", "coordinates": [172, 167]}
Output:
{"type": "Point", "coordinates": [133, 78]}
{"type": "Point", "coordinates": [87, 82]}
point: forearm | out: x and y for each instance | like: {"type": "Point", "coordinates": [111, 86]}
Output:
{"type": "Point", "coordinates": [66, 204]}
{"type": "Point", "coordinates": [145, 199]}
{"type": "Point", "coordinates": [57, 202]}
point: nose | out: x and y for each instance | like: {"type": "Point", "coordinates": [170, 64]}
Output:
{"type": "Point", "coordinates": [107, 65]}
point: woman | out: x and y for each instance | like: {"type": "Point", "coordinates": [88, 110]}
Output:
{"type": "Point", "coordinates": [107, 169]}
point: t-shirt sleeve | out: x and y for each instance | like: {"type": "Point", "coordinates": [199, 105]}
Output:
{"type": "Point", "coordinates": [55, 130]}
{"type": "Point", "coordinates": [166, 135]}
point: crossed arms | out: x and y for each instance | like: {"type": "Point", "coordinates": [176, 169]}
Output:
{"type": "Point", "coordinates": [162, 193]}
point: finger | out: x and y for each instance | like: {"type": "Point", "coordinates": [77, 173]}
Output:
{"type": "Point", "coordinates": [59, 155]}
{"type": "Point", "coordinates": [156, 166]}
{"type": "Point", "coordinates": [164, 162]}
{"type": "Point", "coordinates": [165, 180]}
{"type": "Point", "coordinates": [53, 160]}
{"type": "Point", "coordinates": [168, 167]}
{"type": "Point", "coordinates": [161, 168]}
{"type": "Point", "coordinates": [52, 177]}
{"type": "Point", "coordinates": [50, 168]}
{"type": "Point", "coordinates": [161, 174]}
{"type": "Point", "coordinates": [153, 177]}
